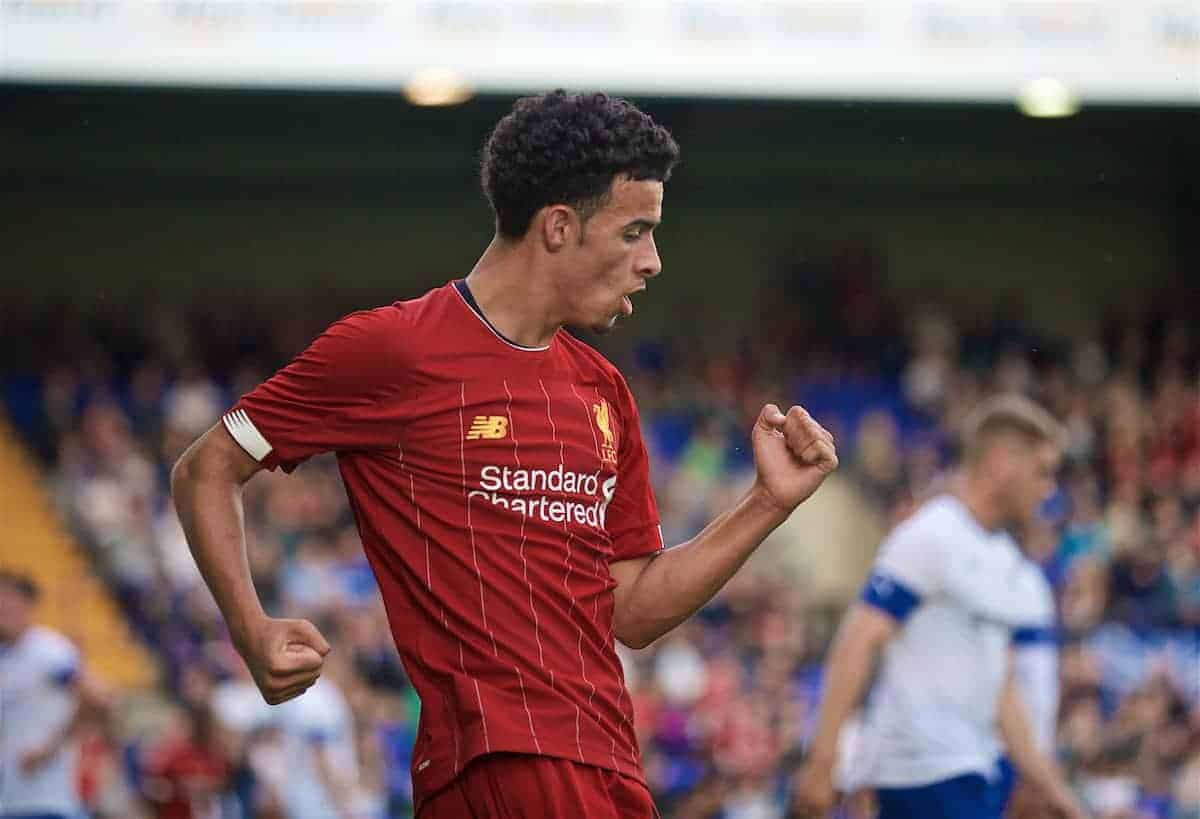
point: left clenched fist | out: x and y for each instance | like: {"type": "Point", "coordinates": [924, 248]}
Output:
{"type": "Point", "coordinates": [793, 455]}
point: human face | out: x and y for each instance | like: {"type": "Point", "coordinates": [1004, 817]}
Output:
{"type": "Point", "coordinates": [14, 612]}
{"type": "Point", "coordinates": [614, 256]}
{"type": "Point", "coordinates": [1031, 478]}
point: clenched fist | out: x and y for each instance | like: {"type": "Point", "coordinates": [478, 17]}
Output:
{"type": "Point", "coordinates": [793, 454]}
{"type": "Point", "coordinates": [284, 657]}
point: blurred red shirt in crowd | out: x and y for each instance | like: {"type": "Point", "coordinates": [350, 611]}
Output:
{"type": "Point", "coordinates": [188, 770]}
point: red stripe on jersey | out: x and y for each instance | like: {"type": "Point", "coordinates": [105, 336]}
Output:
{"type": "Point", "coordinates": [487, 745]}
{"type": "Point", "coordinates": [525, 573]}
{"type": "Point", "coordinates": [567, 562]}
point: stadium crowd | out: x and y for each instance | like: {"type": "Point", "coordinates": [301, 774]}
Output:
{"type": "Point", "coordinates": [725, 702]}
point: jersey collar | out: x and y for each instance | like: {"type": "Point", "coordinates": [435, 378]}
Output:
{"type": "Point", "coordinates": [460, 286]}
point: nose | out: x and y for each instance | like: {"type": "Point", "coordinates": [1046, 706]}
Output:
{"type": "Point", "coordinates": [650, 265]}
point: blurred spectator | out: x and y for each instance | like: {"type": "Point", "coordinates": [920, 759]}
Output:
{"type": "Point", "coordinates": [321, 752]}
{"type": "Point", "coordinates": [188, 769]}
{"type": "Point", "coordinates": [1141, 592]}
{"type": "Point", "coordinates": [48, 700]}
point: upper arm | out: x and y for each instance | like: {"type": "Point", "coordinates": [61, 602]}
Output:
{"type": "Point", "coordinates": [334, 396]}
{"type": "Point", "coordinates": [625, 573]}
{"type": "Point", "coordinates": [907, 571]}
{"type": "Point", "coordinates": [869, 624]}
{"type": "Point", "coordinates": [215, 454]}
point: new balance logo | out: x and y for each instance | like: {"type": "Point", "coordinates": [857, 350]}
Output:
{"type": "Point", "coordinates": [488, 426]}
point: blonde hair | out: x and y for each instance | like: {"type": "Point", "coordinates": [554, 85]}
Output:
{"type": "Point", "coordinates": [1010, 413]}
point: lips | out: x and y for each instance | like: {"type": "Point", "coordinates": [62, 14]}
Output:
{"type": "Point", "coordinates": [627, 301]}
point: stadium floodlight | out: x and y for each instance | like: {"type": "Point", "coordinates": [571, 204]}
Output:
{"type": "Point", "coordinates": [1047, 97]}
{"type": "Point", "coordinates": [437, 86]}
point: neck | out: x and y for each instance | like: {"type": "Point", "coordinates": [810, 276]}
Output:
{"type": "Point", "coordinates": [982, 502]}
{"type": "Point", "coordinates": [517, 297]}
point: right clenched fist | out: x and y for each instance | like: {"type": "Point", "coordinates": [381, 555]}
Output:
{"type": "Point", "coordinates": [284, 657]}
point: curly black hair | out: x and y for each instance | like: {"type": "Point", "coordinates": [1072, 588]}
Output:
{"type": "Point", "coordinates": [561, 148]}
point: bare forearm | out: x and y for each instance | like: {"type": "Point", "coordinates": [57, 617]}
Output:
{"type": "Point", "coordinates": [209, 504]}
{"type": "Point", "coordinates": [673, 585]}
{"type": "Point", "coordinates": [847, 669]}
{"type": "Point", "coordinates": [1034, 766]}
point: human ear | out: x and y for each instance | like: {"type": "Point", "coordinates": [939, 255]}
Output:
{"type": "Point", "coordinates": [558, 224]}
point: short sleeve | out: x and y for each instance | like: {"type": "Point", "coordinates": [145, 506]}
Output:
{"type": "Point", "coordinates": [335, 396]}
{"type": "Point", "coordinates": [632, 517]}
{"type": "Point", "coordinates": [907, 570]}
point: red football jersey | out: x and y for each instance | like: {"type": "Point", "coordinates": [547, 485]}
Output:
{"type": "Point", "coordinates": [492, 485]}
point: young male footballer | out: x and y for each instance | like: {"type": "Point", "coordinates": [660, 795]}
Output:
{"type": "Point", "coordinates": [496, 470]}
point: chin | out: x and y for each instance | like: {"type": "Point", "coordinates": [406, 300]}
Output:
{"type": "Point", "coordinates": [1025, 519]}
{"type": "Point", "coordinates": [605, 326]}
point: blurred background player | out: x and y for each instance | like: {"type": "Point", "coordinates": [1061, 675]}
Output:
{"type": "Point", "coordinates": [947, 591]}
{"type": "Point", "coordinates": [187, 772]}
{"type": "Point", "coordinates": [498, 475]}
{"type": "Point", "coordinates": [45, 698]}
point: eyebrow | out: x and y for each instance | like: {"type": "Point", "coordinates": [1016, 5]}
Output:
{"type": "Point", "coordinates": [642, 223]}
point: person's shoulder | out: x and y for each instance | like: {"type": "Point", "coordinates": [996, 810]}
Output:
{"type": "Point", "coordinates": [432, 301]}
{"type": "Point", "coordinates": [391, 330]}
{"type": "Point", "coordinates": [938, 515]}
{"type": "Point", "coordinates": [402, 314]}
{"type": "Point", "coordinates": [593, 363]}
{"type": "Point", "coordinates": [923, 533]}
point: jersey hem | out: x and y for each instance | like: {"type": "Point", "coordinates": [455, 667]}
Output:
{"type": "Point", "coordinates": [961, 768]}
{"type": "Point", "coordinates": [592, 756]}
